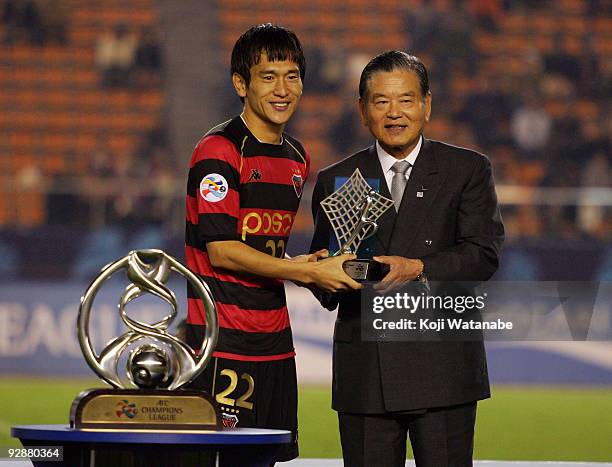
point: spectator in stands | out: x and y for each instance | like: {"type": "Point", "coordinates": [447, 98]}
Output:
{"type": "Point", "coordinates": [148, 63]}
{"type": "Point", "coordinates": [30, 185]}
{"type": "Point", "coordinates": [125, 198]}
{"type": "Point", "coordinates": [154, 139]}
{"type": "Point", "coordinates": [347, 133]}
{"type": "Point", "coordinates": [531, 126]}
{"type": "Point", "coordinates": [567, 151]}
{"type": "Point", "coordinates": [596, 173]}
{"type": "Point", "coordinates": [158, 176]}
{"type": "Point", "coordinates": [54, 20]}
{"type": "Point", "coordinates": [148, 53]}
{"type": "Point", "coordinates": [487, 111]}
{"type": "Point", "coordinates": [422, 25]}
{"type": "Point", "coordinates": [10, 19]}
{"type": "Point", "coordinates": [37, 21]}
{"type": "Point", "coordinates": [599, 8]}
{"type": "Point", "coordinates": [101, 161]}
{"type": "Point", "coordinates": [456, 41]}
{"type": "Point", "coordinates": [115, 54]}
{"type": "Point", "coordinates": [596, 137]}
{"type": "Point", "coordinates": [560, 62]}
{"type": "Point", "coordinates": [325, 67]}
{"type": "Point", "coordinates": [159, 188]}
{"type": "Point", "coordinates": [487, 13]}
{"type": "Point", "coordinates": [23, 22]}
{"type": "Point", "coordinates": [31, 22]}
{"type": "Point", "coordinates": [66, 205]}
{"type": "Point", "coordinates": [94, 184]}
{"type": "Point", "coordinates": [589, 69]}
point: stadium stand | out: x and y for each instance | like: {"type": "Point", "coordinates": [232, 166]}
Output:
{"type": "Point", "coordinates": [54, 108]}
{"type": "Point", "coordinates": [499, 70]}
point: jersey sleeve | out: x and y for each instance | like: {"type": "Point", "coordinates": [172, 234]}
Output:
{"type": "Point", "coordinates": [307, 163]}
{"type": "Point", "coordinates": [213, 200]}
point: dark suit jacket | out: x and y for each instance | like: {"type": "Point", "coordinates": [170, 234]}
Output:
{"type": "Point", "coordinates": [455, 228]}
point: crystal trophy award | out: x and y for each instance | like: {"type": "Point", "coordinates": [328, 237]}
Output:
{"type": "Point", "coordinates": [353, 210]}
{"type": "Point", "coordinates": [147, 394]}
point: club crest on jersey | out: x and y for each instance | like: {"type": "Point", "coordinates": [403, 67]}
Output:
{"type": "Point", "coordinates": [229, 421]}
{"type": "Point", "coordinates": [298, 184]}
{"type": "Point", "coordinates": [214, 188]}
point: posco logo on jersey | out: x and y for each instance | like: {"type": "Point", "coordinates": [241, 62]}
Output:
{"type": "Point", "coordinates": [256, 223]}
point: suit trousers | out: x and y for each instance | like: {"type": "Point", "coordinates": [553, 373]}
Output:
{"type": "Point", "coordinates": [440, 437]}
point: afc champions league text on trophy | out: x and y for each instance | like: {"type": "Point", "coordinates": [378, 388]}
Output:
{"type": "Point", "coordinates": [353, 210]}
{"type": "Point", "coordinates": [147, 394]}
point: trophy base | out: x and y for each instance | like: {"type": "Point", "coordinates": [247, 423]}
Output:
{"type": "Point", "coordinates": [144, 409]}
{"type": "Point", "coordinates": [365, 270]}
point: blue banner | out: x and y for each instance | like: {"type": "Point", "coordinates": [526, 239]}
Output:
{"type": "Point", "coordinates": [38, 336]}
{"type": "Point", "coordinates": [38, 332]}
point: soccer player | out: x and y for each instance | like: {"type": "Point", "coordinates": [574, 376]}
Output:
{"type": "Point", "coordinates": [245, 183]}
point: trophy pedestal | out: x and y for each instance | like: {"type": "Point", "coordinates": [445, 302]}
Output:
{"type": "Point", "coordinates": [145, 409]}
{"type": "Point", "coordinates": [365, 270]}
{"type": "Point", "coordinates": [251, 447]}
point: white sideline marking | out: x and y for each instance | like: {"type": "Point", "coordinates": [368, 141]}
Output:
{"type": "Point", "coordinates": [338, 463]}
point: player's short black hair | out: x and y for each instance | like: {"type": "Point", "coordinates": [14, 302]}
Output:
{"type": "Point", "coordinates": [393, 60]}
{"type": "Point", "coordinates": [277, 42]}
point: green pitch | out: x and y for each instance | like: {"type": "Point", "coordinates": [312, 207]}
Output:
{"type": "Point", "coordinates": [517, 423]}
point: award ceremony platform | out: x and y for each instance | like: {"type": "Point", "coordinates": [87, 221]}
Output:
{"type": "Point", "coordinates": [249, 447]}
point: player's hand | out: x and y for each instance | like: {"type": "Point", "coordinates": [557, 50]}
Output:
{"type": "Point", "coordinates": [402, 270]}
{"type": "Point", "coordinates": [329, 275]}
{"type": "Point", "coordinates": [313, 257]}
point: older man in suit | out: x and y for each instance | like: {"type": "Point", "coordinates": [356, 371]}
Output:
{"type": "Point", "coordinates": [445, 226]}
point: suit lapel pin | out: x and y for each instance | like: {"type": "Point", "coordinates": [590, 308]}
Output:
{"type": "Point", "coordinates": [421, 192]}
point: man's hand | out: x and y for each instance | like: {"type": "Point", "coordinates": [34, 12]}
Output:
{"type": "Point", "coordinates": [402, 270]}
{"type": "Point", "coordinates": [328, 274]}
{"type": "Point", "coordinates": [312, 258]}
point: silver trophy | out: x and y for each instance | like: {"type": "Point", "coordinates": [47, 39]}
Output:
{"type": "Point", "coordinates": [147, 393]}
{"type": "Point", "coordinates": [353, 210]}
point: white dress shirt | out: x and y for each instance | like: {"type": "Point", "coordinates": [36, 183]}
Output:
{"type": "Point", "coordinates": [387, 161]}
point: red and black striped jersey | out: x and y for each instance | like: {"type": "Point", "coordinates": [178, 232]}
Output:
{"type": "Point", "coordinates": [242, 189]}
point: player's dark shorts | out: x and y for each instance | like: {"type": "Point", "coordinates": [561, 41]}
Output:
{"type": "Point", "coordinates": [255, 395]}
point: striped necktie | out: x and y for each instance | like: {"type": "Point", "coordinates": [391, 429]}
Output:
{"type": "Point", "coordinates": [398, 183]}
